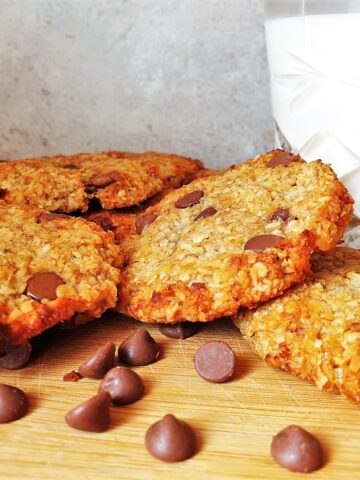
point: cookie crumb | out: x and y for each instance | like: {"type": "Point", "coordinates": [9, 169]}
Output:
{"type": "Point", "coordinates": [72, 376]}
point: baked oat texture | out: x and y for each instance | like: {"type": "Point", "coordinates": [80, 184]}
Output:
{"type": "Point", "coordinates": [186, 268]}
{"type": "Point", "coordinates": [79, 252]}
{"type": "Point", "coordinates": [67, 183]}
{"type": "Point", "coordinates": [313, 330]}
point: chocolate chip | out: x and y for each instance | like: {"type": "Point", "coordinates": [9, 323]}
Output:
{"type": "Point", "coordinates": [2, 192]}
{"type": "Point", "coordinates": [43, 285]}
{"type": "Point", "coordinates": [190, 199]}
{"type": "Point", "coordinates": [139, 349]}
{"type": "Point", "coordinates": [282, 214]}
{"type": "Point", "coordinates": [13, 403]}
{"type": "Point", "coordinates": [72, 376]}
{"type": "Point", "coordinates": [49, 217]}
{"type": "Point", "coordinates": [208, 212]}
{"type": "Point", "coordinates": [103, 221]}
{"type": "Point", "coordinates": [186, 181]}
{"type": "Point", "coordinates": [179, 330]}
{"type": "Point", "coordinates": [90, 189]}
{"type": "Point", "coordinates": [100, 363]}
{"type": "Point", "coordinates": [261, 242]}
{"type": "Point", "coordinates": [171, 440]}
{"type": "Point", "coordinates": [283, 159]}
{"type": "Point", "coordinates": [215, 362]}
{"type": "Point", "coordinates": [144, 221]}
{"type": "Point", "coordinates": [124, 385]}
{"type": "Point", "coordinates": [92, 415]}
{"type": "Point", "coordinates": [16, 357]}
{"type": "Point", "coordinates": [70, 166]}
{"type": "Point", "coordinates": [104, 179]}
{"type": "Point", "coordinates": [296, 449]}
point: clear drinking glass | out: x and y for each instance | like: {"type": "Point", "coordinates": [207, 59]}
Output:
{"type": "Point", "coordinates": [313, 49]}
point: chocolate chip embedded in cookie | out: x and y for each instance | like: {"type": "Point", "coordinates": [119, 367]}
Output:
{"type": "Point", "coordinates": [51, 217]}
{"type": "Point", "coordinates": [262, 242]}
{"type": "Point", "coordinates": [52, 271]}
{"type": "Point", "coordinates": [144, 221]}
{"type": "Point", "coordinates": [207, 212]}
{"type": "Point", "coordinates": [115, 179]}
{"type": "Point", "coordinates": [313, 330]}
{"type": "Point", "coordinates": [212, 248]}
{"type": "Point", "coordinates": [43, 285]}
{"type": "Point", "coordinates": [282, 159]}
{"type": "Point", "coordinates": [280, 214]}
{"type": "Point", "coordinates": [122, 223]}
{"type": "Point", "coordinates": [189, 199]}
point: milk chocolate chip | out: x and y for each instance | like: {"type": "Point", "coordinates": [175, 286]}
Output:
{"type": "Point", "coordinates": [208, 212]}
{"type": "Point", "coordinates": [139, 349]}
{"type": "Point", "coordinates": [296, 449]}
{"type": "Point", "coordinates": [282, 214]}
{"type": "Point", "coordinates": [43, 285]}
{"type": "Point", "coordinates": [171, 440]}
{"type": "Point", "coordinates": [104, 222]}
{"type": "Point", "coordinates": [261, 242]}
{"type": "Point", "coordinates": [100, 363]}
{"type": "Point", "coordinates": [144, 221]}
{"type": "Point", "coordinates": [283, 159]}
{"type": "Point", "coordinates": [215, 362]}
{"type": "Point", "coordinates": [181, 330]}
{"type": "Point", "coordinates": [190, 199]}
{"type": "Point", "coordinates": [15, 357]}
{"type": "Point", "coordinates": [104, 179]}
{"type": "Point", "coordinates": [2, 192]}
{"type": "Point", "coordinates": [92, 415]}
{"type": "Point", "coordinates": [13, 403]}
{"type": "Point", "coordinates": [124, 385]}
{"type": "Point", "coordinates": [49, 217]}
{"type": "Point", "coordinates": [70, 166]}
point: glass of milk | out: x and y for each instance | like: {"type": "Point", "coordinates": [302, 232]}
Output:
{"type": "Point", "coordinates": [313, 49]}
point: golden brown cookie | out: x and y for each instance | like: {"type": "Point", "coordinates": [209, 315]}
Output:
{"type": "Point", "coordinates": [313, 330]}
{"type": "Point", "coordinates": [232, 240]}
{"type": "Point", "coordinates": [116, 179]}
{"type": "Point", "coordinates": [52, 268]}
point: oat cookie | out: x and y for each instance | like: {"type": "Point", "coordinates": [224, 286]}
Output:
{"type": "Point", "coordinates": [67, 183]}
{"type": "Point", "coordinates": [313, 330]}
{"type": "Point", "coordinates": [52, 268]}
{"type": "Point", "coordinates": [232, 240]}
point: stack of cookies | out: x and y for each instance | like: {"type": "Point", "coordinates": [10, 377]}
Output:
{"type": "Point", "coordinates": [164, 240]}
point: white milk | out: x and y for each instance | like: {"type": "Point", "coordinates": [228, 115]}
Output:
{"type": "Point", "coordinates": [315, 86]}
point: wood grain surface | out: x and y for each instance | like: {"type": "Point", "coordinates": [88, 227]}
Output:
{"type": "Point", "coordinates": [234, 421]}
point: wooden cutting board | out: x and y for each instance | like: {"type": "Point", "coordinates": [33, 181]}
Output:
{"type": "Point", "coordinates": [234, 421]}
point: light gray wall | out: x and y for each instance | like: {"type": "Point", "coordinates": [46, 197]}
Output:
{"type": "Point", "coordinates": [188, 77]}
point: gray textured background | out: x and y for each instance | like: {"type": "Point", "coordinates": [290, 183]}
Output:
{"type": "Point", "coordinates": [187, 77]}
